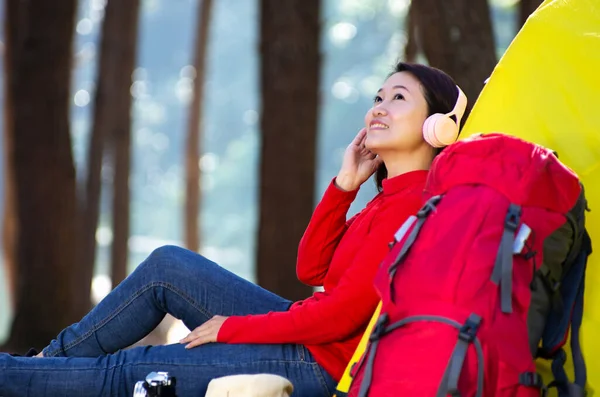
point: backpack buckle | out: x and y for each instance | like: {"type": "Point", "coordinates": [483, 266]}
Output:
{"type": "Point", "coordinates": [429, 207]}
{"type": "Point", "coordinates": [468, 332]}
{"type": "Point", "coordinates": [533, 379]}
{"type": "Point", "coordinates": [513, 216]}
{"type": "Point", "coordinates": [379, 328]}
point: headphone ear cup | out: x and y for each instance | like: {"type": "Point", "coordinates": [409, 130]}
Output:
{"type": "Point", "coordinates": [440, 130]}
{"type": "Point", "coordinates": [429, 130]}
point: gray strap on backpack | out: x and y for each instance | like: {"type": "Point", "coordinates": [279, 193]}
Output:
{"type": "Point", "coordinates": [420, 218]}
{"type": "Point", "coordinates": [449, 384]}
{"type": "Point", "coordinates": [467, 335]}
{"type": "Point", "coordinates": [575, 390]}
{"type": "Point", "coordinates": [503, 267]}
{"type": "Point", "coordinates": [428, 208]}
{"type": "Point", "coordinates": [378, 331]}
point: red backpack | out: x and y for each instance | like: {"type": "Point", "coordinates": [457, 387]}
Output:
{"type": "Point", "coordinates": [456, 287]}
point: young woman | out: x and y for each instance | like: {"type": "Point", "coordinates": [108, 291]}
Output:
{"type": "Point", "coordinates": [238, 327]}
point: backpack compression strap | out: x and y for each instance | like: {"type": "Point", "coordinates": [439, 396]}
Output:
{"type": "Point", "coordinates": [420, 219]}
{"type": "Point", "coordinates": [467, 335]}
{"type": "Point", "coordinates": [503, 267]}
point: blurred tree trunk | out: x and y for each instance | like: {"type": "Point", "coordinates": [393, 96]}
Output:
{"type": "Point", "coordinates": [526, 8]}
{"type": "Point", "coordinates": [9, 220]}
{"type": "Point", "coordinates": [192, 157]}
{"type": "Point", "coordinates": [118, 18]}
{"type": "Point", "coordinates": [127, 14]}
{"type": "Point", "coordinates": [456, 36]}
{"type": "Point", "coordinates": [289, 82]}
{"type": "Point", "coordinates": [411, 49]}
{"type": "Point", "coordinates": [39, 91]}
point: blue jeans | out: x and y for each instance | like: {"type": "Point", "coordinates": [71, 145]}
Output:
{"type": "Point", "coordinates": [85, 359]}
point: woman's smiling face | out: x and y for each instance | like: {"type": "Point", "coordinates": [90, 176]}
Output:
{"type": "Point", "coordinates": [395, 122]}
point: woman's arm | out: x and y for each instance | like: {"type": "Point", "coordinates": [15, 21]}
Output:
{"type": "Point", "coordinates": [328, 223]}
{"type": "Point", "coordinates": [333, 317]}
{"type": "Point", "coordinates": [325, 230]}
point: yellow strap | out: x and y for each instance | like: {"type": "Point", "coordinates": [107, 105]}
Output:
{"type": "Point", "coordinates": [344, 384]}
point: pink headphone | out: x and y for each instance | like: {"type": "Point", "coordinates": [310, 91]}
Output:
{"type": "Point", "coordinates": [439, 129]}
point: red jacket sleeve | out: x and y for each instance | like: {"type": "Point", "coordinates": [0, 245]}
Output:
{"type": "Point", "coordinates": [334, 316]}
{"type": "Point", "coordinates": [325, 230]}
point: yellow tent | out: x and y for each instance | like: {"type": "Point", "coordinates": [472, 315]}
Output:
{"type": "Point", "coordinates": [546, 89]}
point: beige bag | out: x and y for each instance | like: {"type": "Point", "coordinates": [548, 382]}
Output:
{"type": "Point", "coordinates": [261, 385]}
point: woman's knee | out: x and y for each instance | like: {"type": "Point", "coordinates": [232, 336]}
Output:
{"type": "Point", "coordinates": [176, 261]}
{"type": "Point", "coordinates": [167, 253]}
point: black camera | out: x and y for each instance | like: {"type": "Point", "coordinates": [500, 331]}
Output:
{"type": "Point", "coordinates": [156, 384]}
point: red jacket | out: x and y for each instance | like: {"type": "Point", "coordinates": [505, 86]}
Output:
{"type": "Point", "coordinates": [342, 256]}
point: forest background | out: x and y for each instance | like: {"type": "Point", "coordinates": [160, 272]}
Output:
{"type": "Point", "coordinates": [214, 125]}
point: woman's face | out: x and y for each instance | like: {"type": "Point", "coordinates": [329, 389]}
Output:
{"type": "Point", "coordinates": [395, 122]}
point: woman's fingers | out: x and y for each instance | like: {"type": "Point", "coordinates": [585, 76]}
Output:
{"type": "Point", "coordinates": [200, 339]}
{"type": "Point", "coordinates": [201, 335]}
{"type": "Point", "coordinates": [197, 332]}
{"type": "Point", "coordinates": [190, 336]}
{"type": "Point", "coordinates": [364, 138]}
{"type": "Point", "coordinates": [360, 137]}
{"type": "Point", "coordinates": [206, 333]}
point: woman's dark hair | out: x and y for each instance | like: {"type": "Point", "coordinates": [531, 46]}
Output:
{"type": "Point", "coordinates": [440, 93]}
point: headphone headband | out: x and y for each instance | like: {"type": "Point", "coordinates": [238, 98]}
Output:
{"type": "Point", "coordinates": [459, 107]}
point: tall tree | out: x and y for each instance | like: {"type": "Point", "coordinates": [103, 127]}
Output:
{"type": "Point", "coordinates": [411, 49]}
{"type": "Point", "coordinates": [456, 36]}
{"type": "Point", "coordinates": [9, 221]}
{"type": "Point", "coordinates": [192, 157]}
{"type": "Point", "coordinates": [40, 36]}
{"type": "Point", "coordinates": [289, 81]}
{"type": "Point", "coordinates": [126, 14]}
{"type": "Point", "coordinates": [111, 111]}
{"type": "Point", "coordinates": [526, 8]}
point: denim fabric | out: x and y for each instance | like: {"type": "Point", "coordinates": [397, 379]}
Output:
{"type": "Point", "coordinates": [85, 359]}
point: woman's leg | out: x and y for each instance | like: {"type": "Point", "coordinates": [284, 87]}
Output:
{"type": "Point", "coordinates": [115, 375]}
{"type": "Point", "coordinates": [171, 280]}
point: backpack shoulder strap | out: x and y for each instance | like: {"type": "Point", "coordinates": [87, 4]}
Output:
{"type": "Point", "coordinates": [576, 279]}
{"type": "Point", "coordinates": [560, 273]}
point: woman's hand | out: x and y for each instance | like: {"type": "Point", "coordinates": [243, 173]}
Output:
{"type": "Point", "coordinates": [358, 164]}
{"type": "Point", "coordinates": [205, 333]}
